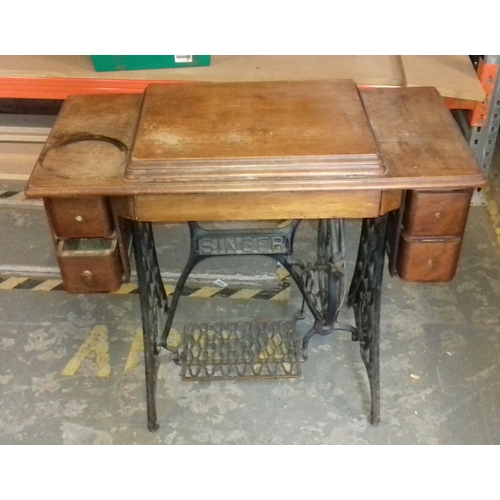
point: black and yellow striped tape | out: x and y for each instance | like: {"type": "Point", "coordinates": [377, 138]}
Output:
{"type": "Point", "coordinates": [17, 198]}
{"type": "Point", "coordinates": [4, 195]}
{"type": "Point", "coordinates": [279, 292]}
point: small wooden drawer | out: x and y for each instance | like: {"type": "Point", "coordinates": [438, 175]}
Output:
{"type": "Point", "coordinates": [429, 213]}
{"type": "Point", "coordinates": [422, 259]}
{"type": "Point", "coordinates": [88, 217]}
{"type": "Point", "coordinates": [90, 265]}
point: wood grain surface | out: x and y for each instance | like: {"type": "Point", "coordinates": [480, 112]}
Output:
{"type": "Point", "coordinates": [249, 131]}
{"type": "Point", "coordinates": [420, 142]}
{"type": "Point", "coordinates": [417, 137]}
{"type": "Point", "coordinates": [249, 206]}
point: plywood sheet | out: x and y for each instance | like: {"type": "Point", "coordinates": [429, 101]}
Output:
{"type": "Point", "coordinates": [364, 70]}
{"type": "Point", "coordinates": [453, 76]}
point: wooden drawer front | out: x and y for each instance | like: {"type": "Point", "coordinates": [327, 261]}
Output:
{"type": "Point", "coordinates": [90, 265]}
{"type": "Point", "coordinates": [428, 260]}
{"type": "Point", "coordinates": [436, 213]}
{"type": "Point", "coordinates": [88, 217]}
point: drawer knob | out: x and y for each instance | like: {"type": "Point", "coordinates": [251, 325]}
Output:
{"type": "Point", "coordinates": [79, 218]}
{"type": "Point", "coordinates": [87, 276]}
{"type": "Point", "coordinates": [437, 215]}
{"type": "Point", "coordinates": [430, 263]}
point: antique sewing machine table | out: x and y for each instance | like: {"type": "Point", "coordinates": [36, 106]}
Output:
{"type": "Point", "coordinates": [261, 151]}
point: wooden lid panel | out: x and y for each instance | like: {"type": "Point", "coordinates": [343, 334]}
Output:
{"type": "Point", "coordinates": [89, 145]}
{"type": "Point", "coordinates": [253, 130]}
{"type": "Point", "coordinates": [419, 138]}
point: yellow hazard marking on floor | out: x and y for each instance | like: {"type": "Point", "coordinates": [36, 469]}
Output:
{"type": "Point", "coordinates": [174, 339]}
{"type": "Point", "coordinates": [282, 273]}
{"type": "Point", "coordinates": [283, 295]}
{"type": "Point", "coordinates": [205, 292]}
{"type": "Point", "coordinates": [97, 346]}
{"type": "Point", "coordinates": [129, 288]}
{"type": "Point", "coordinates": [11, 283]}
{"type": "Point", "coordinates": [244, 294]}
{"type": "Point", "coordinates": [135, 353]}
{"type": "Point", "coordinates": [18, 196]}
{"type": "Point", "coordinates": [47, 285]}
{"type": "Point", "coordinates": [126, 288]}
{"type": "Point", "coordinates": [494, 213]}
{"type": "Point", "coordinates": [275, 348]}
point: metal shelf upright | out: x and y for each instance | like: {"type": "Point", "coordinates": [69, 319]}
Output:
{"type": "Point", "coordinates": [481, 124]}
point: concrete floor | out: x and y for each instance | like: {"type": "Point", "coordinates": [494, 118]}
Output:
{"type": "Point", "coordinates": [440, 356]}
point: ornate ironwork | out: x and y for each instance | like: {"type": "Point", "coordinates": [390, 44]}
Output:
{"type": "Point", "coordinates": [322, 285]}
{"type": "Point", "coordinates": [240, 349]}
{"type": "Point", "coordinates": [365, 298]}
{"type": "Point", "coordinates": [154, 309]}
{"type": "Point", "coordinates": [206, 243]}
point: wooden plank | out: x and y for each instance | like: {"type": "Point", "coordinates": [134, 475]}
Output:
{"type": "Point", "coordinates": [25, 128]}
{"type": "Point", "coordinates": [390, 200]}
{"type": "Point", "coordinates": [453, 76]}
{"type": "Point", "coordinates": [252, 206]}
{"type": "Point", "coordinates": [419, 138]}
{"type": "Point", "coordinates": [21, 142]}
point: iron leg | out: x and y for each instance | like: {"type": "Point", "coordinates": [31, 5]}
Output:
{"type": "Point", "coordinates": [365, 297]}
{"type": "Point", "coordinates": [154, 307]}
{"type": "Point", "coordinates": [191, 263]}
{"type": "Point", "coordinates": [151, 364]}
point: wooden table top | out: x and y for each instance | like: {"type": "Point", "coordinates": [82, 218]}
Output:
{"type": "Point", "coordinates": [244, 133]}
{"type": "Point", "coordinates": [98, 140]}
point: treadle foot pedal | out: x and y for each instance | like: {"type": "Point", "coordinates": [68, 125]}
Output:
{"type": "Point", "coordinates": [240, 349]}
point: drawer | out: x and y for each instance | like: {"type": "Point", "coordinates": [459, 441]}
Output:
{"type": "Point", "coordinates": [90, 265]}
{"type": "Point", "coordinates": [422, 259]}
{"type": "Point", "coordinates": [88, 217]}
{"type": "Point", "coordinates": [430, 213]}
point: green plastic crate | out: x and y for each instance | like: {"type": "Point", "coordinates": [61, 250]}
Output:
{"type": "Point", "coordinates": [124, 63]}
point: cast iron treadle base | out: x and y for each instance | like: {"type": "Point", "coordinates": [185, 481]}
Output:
{"type": "Point", "coordinates": [243, 349]}
{"type": "Point", "coordinates": [265, 349]}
